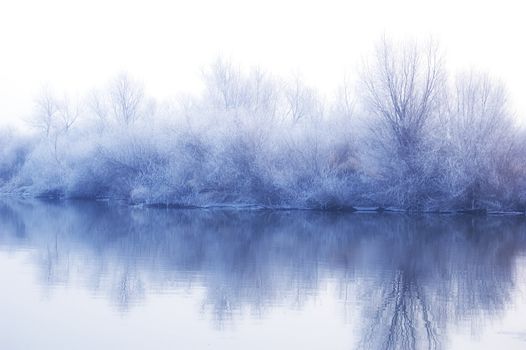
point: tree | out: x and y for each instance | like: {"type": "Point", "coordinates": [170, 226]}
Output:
{"type": "Point", "coordinates": [345, 103]}
{"type": "Point", "coordinates": [127, 100]}
{"type": "Point", "coordinates": [68, 113]}
{"type": "Point", "coordinates": [228, 88]}
{"type": "Point", "coordinates": [403, 92]}
{"type": "Point", "coordinates": [480, 136]}
{"type": "Point", "coordinates": [225, 86]}
{"type": "Point", "coordinates": [403, 96]}
{"type": "Point", "coordinates": [46, 112]}
{"type": "Point", "coordinates": [302, 101]}
{"type": "Point", "coordinates": [122, 103]}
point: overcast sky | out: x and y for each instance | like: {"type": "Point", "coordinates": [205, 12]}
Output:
{"type": "Point", "coordinates": [73, 46]}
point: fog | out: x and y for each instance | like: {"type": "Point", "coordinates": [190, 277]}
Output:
{"type": "Point", "coordinates": [73, 46]}
{"type": "Point", "coordinates": [406, 134]}
{"type": "Point", "coordinates": [300, 105]}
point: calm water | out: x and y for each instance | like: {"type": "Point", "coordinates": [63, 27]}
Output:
{"type": "Point", "coordinates": [94, 276]}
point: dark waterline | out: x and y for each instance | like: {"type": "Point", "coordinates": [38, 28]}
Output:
{"type": "Point", "coordinates": [94, 275]}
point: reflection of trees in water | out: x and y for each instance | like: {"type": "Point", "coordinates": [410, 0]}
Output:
{"type": "Point", "coordinates": [414, 276]}
{"type": "Point", "coordinates": [397, 321]}
{"type": "Point", "coordinates": [441, 271]}
{"type": "Point", "coordinates": [400, 314]}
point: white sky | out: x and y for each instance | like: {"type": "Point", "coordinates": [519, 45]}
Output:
{"type": "Point", "coordinates": [73, 46]}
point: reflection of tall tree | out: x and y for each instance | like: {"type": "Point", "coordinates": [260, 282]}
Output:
{"type": "Point", "coordinates": [397, 323]}
{"type": "Point", "coordinates": [414, 276]}
{"type": "Point", "coordinates": [440, 271]}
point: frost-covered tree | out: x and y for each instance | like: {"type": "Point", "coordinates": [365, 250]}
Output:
{"type": "Point", "coordinates": [126, 98]}
{"type": "Point", "coordinates": [403, 90]}
{"type": "Point", "coordinates": [54, 115]}
{"type": "Point", "coordinates": [302, 102]}
{"type": "Point", "coordinates": [481, 139]}
{"type": "Point", "coordinates": [46, 112]}
{"type": "Point", "coordinates": [228, 88]}
{"type": "Point", "coordinates": [122, 103]}
{"type": "Point", "coordinates": [14, 151]}
{"type": "Point", "coordinates": [225, 85]}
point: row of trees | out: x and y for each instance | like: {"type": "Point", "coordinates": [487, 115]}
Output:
{"type": "Point", "coordinates": [407, 136]}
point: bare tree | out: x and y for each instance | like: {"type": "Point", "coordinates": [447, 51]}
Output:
{"type": "Point", "coordinates": [54, 115]}
{"type": "Point", "coordinates": [480, 135]}
{"type": "Point", "coordinates": [479, 109]}
{"type": "Point", "coordinates": [253, 93]}
{"type": "Point", "coordinates": [225, 85]}
{"type": "Point", "coordinates": [98, 106]}
{"type": "Point", "coordinates": [263, 93]}
{"type": "Point", "coordinates": [46, 114]}
{"type": "Point", "coordinates": [126, 99]}
{"type": "Point", "coordinates": [403, 91]}
{"type": "Point", "coordinates": [302, 101]}
{"type": "Point", "coordinates": [68, 113]}
{"type": "Point", "coordinates": [345, 103]}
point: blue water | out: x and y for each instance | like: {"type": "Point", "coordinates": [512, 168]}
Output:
{"type": "Point", "coordinates": [87, 275]}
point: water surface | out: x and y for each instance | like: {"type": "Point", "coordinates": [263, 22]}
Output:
{"type": "Point", "coordinates": [86, 275]}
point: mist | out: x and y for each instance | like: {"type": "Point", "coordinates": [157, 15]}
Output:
{"type": "Point", "coordinates": [405, 134]}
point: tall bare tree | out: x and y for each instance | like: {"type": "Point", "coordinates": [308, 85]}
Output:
{"type": "Point", "coordinates": [403, 91]}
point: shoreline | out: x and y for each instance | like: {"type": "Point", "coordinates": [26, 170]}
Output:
{"type": "Point", "coordinates": [258, 207]}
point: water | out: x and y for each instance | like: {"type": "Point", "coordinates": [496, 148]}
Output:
{"type": "Point", "coordinates": [83, 275]}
